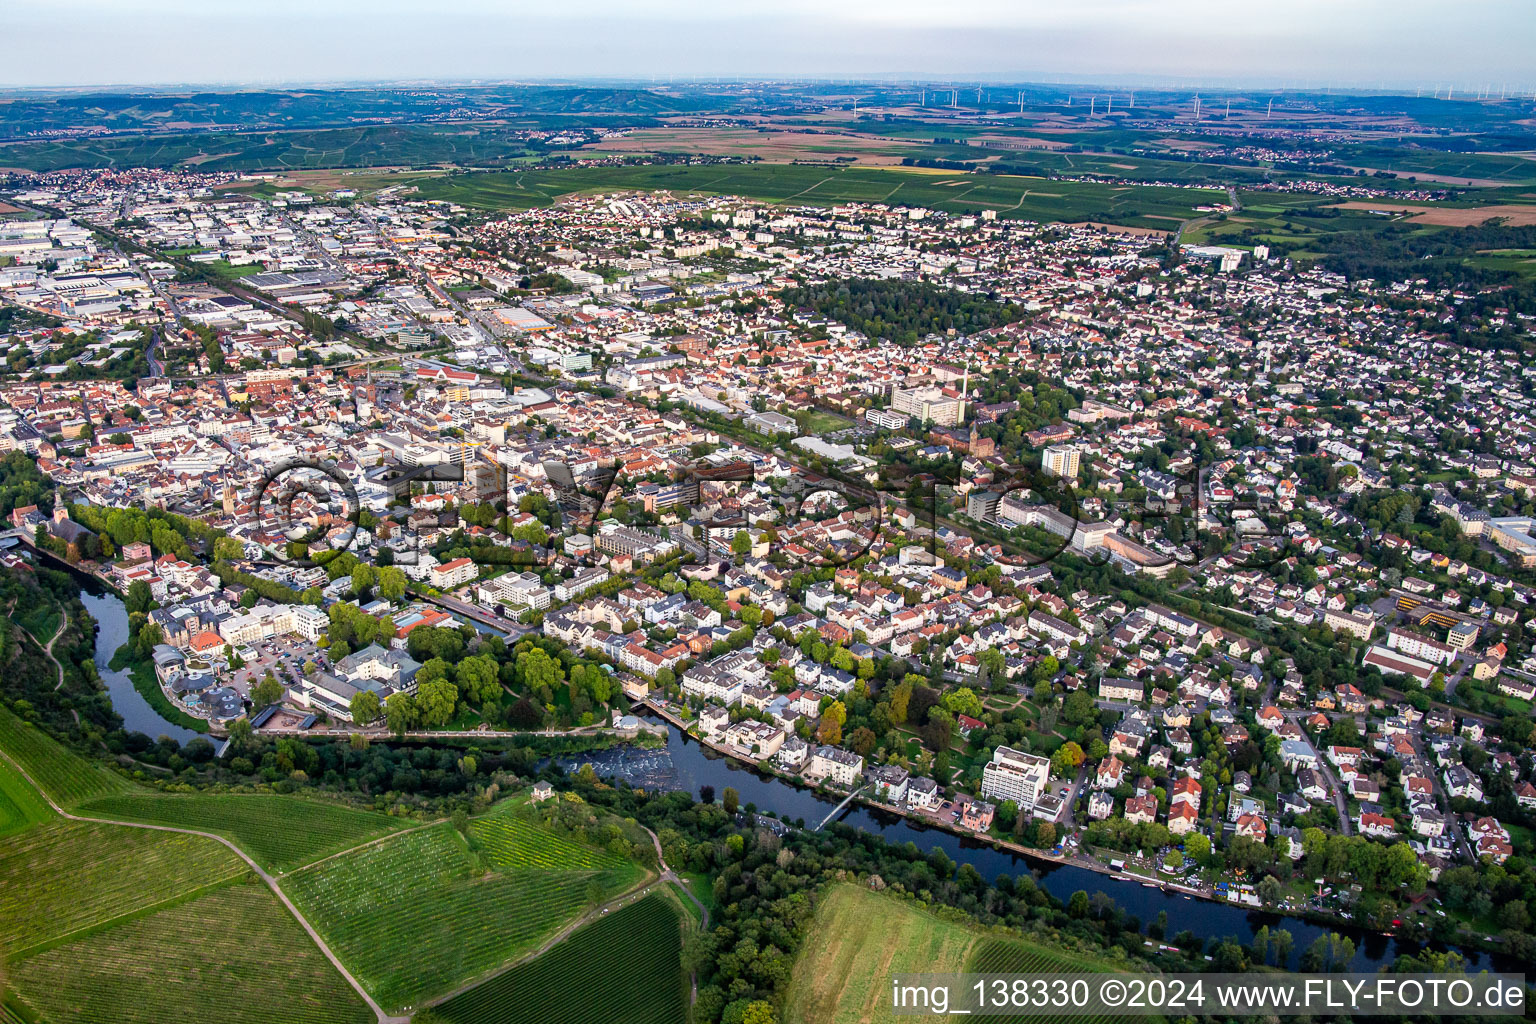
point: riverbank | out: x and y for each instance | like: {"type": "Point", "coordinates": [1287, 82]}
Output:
{"type": "Point", "coordinates": [1048, 861]}
{"type": "Point", "coordinates": [147, 683]}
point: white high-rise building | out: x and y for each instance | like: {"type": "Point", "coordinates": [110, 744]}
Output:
{"type": "Point", "coordinates": [1015, 775]}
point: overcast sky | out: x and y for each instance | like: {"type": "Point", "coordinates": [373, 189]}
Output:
{"type": "Point", "coordinates": [1363, 42]}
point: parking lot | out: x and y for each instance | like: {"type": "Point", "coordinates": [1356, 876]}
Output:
{"type": "Point", "coordinates": [283, 655]}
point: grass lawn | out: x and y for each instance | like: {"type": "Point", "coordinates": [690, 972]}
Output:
{"type": "Point", "coordinates": [280, 833]}
{"type": "Point", "coordinates": [61, 878]}
{"type": "Point", "coordinates": [234, 955]}
{"type": "Point", "coordinates": [65, 776]}
{"type": "Point", "coordinates": [819, 421]}
{"type": "Point", "coordinates": [860, 938]}
{"type": "Point", "coordinates": [415, 916]}
{"type": "Point", "coordinates": [701, 887]}
{"type": "Point", "coordinates": [626, 967]}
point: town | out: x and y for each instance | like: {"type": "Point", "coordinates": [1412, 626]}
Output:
{"type": "Point", "coordinates": [1188, 563]}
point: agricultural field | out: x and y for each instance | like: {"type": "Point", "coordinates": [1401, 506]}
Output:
{"type": "Point", "coordinates": [358, 146]}
{"type": "Point", "coordinates": [860, 938]}
{"type": "Point", "coordinates": [66, 777]}
{"type": "Point", "coordinates": [60, 878]}
{"type": "Point", "coordinates": [624, 967]}
{"type": "Point", "coordinates": [420, 913]}
{"type": "Point", "coordinates": [1013, 956]}
{"type": "Point", "coordinates": [233, 954]}
{"type": "Point", "coordinates": [1147, 206]}
{"type": "Point", "coordinates": [510, 842]}
{"type": "Point", "coordinates": [279, 832]}
{"type": "Point", "coordinates": [21, 806]}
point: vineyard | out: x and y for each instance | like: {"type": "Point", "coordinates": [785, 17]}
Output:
{"type": "Point", "coordinates": [57, 879]}
{"type": "Point", "coordinates": [20, 804]}
{"type": "Point", "coordinates": [1011, 956]}
{"type": "Point", "coordinates": [625, 967]}
{"type": "Point", "coordinates": [233, 955]}
{"type": "Point", "coordinates": [412, 917]}
{"type": "Point", "coordinates": [279, 832]}
{"type": "Point", "coordinates": [63, 775]}
{"type": "Point", "coordinates": [512, 842]}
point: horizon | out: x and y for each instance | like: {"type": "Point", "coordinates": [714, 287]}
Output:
{"type": "Point", "coordinates": [1370, 45]}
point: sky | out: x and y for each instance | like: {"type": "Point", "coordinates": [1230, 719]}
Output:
{"type": "Point", "coordinates": [1412, 43]}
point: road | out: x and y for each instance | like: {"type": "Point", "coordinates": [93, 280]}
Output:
{"type": "Point", "coordinates": [1345, 827]}
{"type": "Point", "coordinates": [271, 883]}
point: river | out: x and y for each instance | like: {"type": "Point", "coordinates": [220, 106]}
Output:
{"type": "Point", "coordinates": [685, 765]}
{"type": "Point", "coordinates": [111, 633]}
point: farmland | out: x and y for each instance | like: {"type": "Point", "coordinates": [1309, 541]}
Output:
{"type": "Point", "coordinates": [21, 806]}
{"type": "Point", "coordinates": [63, 877]}
{"type": "Point", "coordinates": [625, 966]}
{"type": "Point", "coordinates": [279, 832]}
{"type": "Point", "coordinates": [233, 955]}
{"type": "Point", "coordinates": [861, 938]}
{"type": "Point", "coordinates": [1010, 956]}
{"type": "Point", "coordinates": [513, 842]}
{"type": "Point", "coordinates": [66, 777]}
{"type": "Point", "coordinates": [414, 916]}
{"type": "Point", "coordinates": [1148, 206]}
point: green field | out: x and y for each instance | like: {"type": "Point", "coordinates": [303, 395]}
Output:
{"type": "Point", "coordinates": [361, 146]}
{"type": "Point", "coordinates": [625, 967]}
{"type": "Point", "coordinates": [413, 916]}
{"type": "Point", "coordinates": [279, 832]}
{"type": "Point", "coordinates": [61, 878]}
{"type": "Point", "coordinates": [860, 938]}
{"type": "Point", "coordinates": [234, 955]}
{"type": "Point", "coordinates": [65, 776]}
{"type": "Point", "coordinates": [21, 806]}
{"type": "Point", "coordinates": [1012, 956]}
{"type": "Point", "coordinates": [1042, 199]}
{"type": "Point", "coordinates": [510, 841]}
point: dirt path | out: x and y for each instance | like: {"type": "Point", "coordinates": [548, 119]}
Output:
{"type": "Point", "coordinates": [48, 648]}
{"type": "Point", "coordinates": [668, 875]}
{"type": "Point", "coordinates": [627, 896]}
{"type": "Point", "coordinates": [271, 883]}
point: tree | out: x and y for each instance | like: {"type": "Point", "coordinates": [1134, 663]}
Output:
{"type": "Point", "coordinates": [365, 707]}
{"type": "Point", "coordinates": [479, 679]}
{"type": "Point", "coordinates": [741, 544]}
{"type": "Point", "coordinates": [267, 692]}
{"type": "Point", "coordinates": [227, 549]}
{"type": "Point", "coordinates": [437, 700]}
{"type": "Point", "coordinates": [138, 599]}
{"type": "Point", "coordinates": [1077, 906]}
{"type": "Point", "coordinates": [538, 669]}
{"type": "Point", "coordinates": [758, 1011]}
{"type": "Point", "coordinates": [1197, 847]}
{"type": "Point", "coordinates": [1045, 835]}
{"type": "Point", "coordinates": [730, 800]}
{"type": "Point", "coordinates": [400, 713]}
{"type": "Point", "coordinates": [1067, 757]}
{"type": "Point", "coordinates": [362, 577]}
{"type": "Point", "coordinates": [391, 585]}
